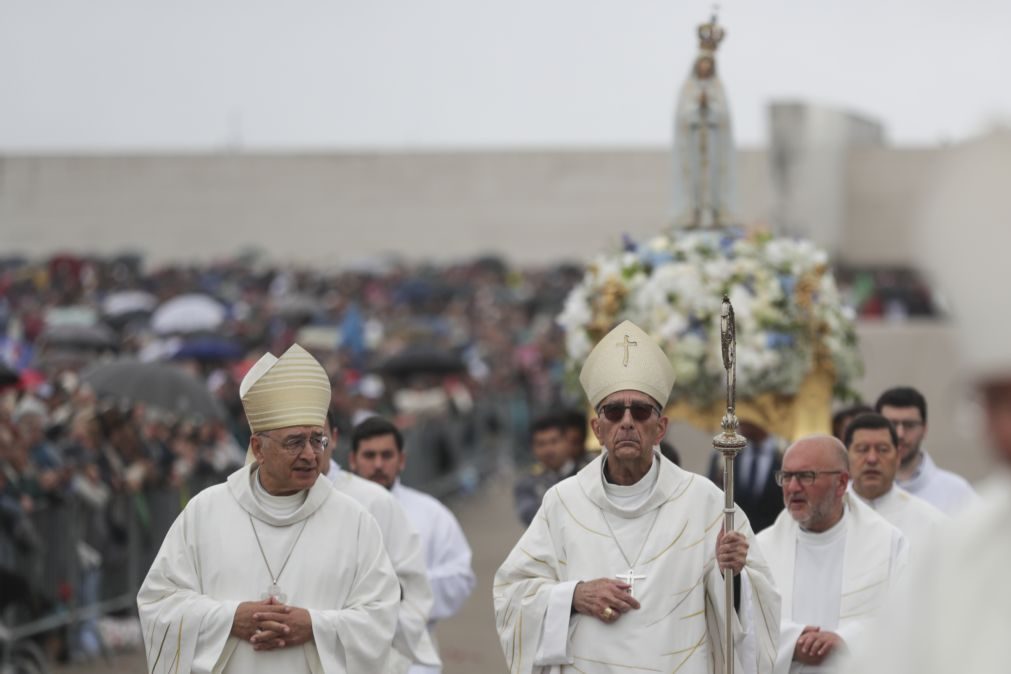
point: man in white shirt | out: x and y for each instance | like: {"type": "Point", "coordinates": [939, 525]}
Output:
{"type": "Point", "coordinates": [274, 570]}
{"type": "Point", "coordinates": [906, 409]}
{"type": "Point", "coordinates": [412, 642]}
{"type": "Point", "coordinates": [377, 454]}
{"type": "Point", "coordinates": [874, 459]}
{"type": "Point", "coordinates": [834, 559]}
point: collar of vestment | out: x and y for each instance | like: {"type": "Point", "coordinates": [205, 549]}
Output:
{"type": "Point", "coordinates": [240, 487]}
{"type": "Point", "coordinates": [670, 482]}
{"type": "Point", "coordinates": [882, 501]}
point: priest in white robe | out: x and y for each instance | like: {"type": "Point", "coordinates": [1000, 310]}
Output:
{"type": "Point", "coordinates": [411, 643]}
{"type": "Point", "coordinates": [621, 568]}
{"type": "Point", "coordinates": [873, 448]}
{"type": "Point", "coordinates": [834, 559]}
{"type": "Point", "coordinates": [273, 571]}
{"type": "Point", "coordinates": [956, 617]}
{"type": "Point", "coordinates": [378, 454]}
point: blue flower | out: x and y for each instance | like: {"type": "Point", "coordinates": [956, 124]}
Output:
{"type": "Point", "coordinates": [779, 340]}
{"type": "Point", "coordinates": [627, 244]}
{"type": "Point", "coordinates": [787, 282]}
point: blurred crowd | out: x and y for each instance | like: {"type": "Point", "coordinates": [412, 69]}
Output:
{"type": "Point", "coordinates": [407, 341]}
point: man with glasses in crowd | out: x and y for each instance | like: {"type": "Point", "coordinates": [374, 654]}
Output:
{"type": "Point", "coordinates": [622, 567]}
{"type": "Point", "coordinates": [833, 558]}
{"type": "Point", "coordinates": [906, 408]}
{"type": "Point", "coordinates": [274, 570]}
{"type": "Point", "coordinates": [873, 449]}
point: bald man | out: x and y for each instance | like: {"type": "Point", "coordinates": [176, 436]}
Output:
{"type": "Point", "coordinates": [833, 558]}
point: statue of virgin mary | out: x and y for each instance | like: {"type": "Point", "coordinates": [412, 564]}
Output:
{"type": "Point", "coordinates": [703, 142]}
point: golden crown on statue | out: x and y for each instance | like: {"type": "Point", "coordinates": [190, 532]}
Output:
{"type": "Point", "coordinates": [710, 35]}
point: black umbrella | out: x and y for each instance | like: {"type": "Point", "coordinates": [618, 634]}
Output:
{"type": "Point", "coordinates": [95, 337]}
{"type": "Point", "coordinates": [8, 375]}
{"type": "Point", "coordinates": [159, 385]}
{"type": "Point", "coordinates": [422, 360]}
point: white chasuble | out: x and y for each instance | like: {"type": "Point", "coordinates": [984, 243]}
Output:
{"type": "Point", "coordinates": [918, 521]}
{"type": "Point", "coordinates": [873, 561]}
{"type": "Point", "coordinates": [952, 616]}
{"type": "Point", "coordinates": [210, 562]}
{"type": "Point", "coordinates": [679, 626]}
{"type": "Point", "coordinates": [411, 642]}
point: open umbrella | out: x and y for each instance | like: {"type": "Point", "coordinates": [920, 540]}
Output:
{"type": "Point", "coordinates": [420, 359]}
{"type": "Point", "coordinates": [209, 348]}
{"type": "Point", "coordinates": [187, 314]}
{"type": "Point", "coordinates": [71, 336]}
{"type": "Point", "coordinates": [8, 375]}
{"type": "Point", "coordinates": [128, 303]}
{"type": "Point", "coordinates": [159, 385]}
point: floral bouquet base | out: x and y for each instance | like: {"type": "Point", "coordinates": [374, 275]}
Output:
{"type": "Point", "coordinates": [796, 342]}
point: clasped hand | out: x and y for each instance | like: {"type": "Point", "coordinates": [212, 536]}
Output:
{"type": "Point", "coordinates": [270, 624]}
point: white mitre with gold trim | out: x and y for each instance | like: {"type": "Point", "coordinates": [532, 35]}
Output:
{"type": "Point", "coordinates": [292, 390]}
{"type": "Point", "coordinates": [627, 359]}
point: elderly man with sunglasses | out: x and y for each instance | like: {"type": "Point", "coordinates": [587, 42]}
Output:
{"type": "Point", "coordinates": [622, 567]}
{"type": "Point", "coordinates": [834, 559]}
{"type": "Point", "coordinates": [273, 571]}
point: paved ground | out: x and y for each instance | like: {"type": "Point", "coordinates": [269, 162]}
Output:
{"type": "Point", "coordinates": [468, 641]}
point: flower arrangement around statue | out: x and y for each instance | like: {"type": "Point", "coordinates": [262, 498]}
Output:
{"type": "Point", "coordinates": [790, 319]}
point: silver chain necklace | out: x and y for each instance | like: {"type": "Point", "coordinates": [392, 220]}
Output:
{"type": "Point", "coordinates": [630, 577]}
{"type": "Point", "coordinates": [274, 590]}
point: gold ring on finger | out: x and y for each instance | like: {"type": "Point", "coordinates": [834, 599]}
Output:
{"type": "Point", "coordinates": [608, 613]}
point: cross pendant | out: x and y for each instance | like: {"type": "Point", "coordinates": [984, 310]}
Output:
{"type": "Point", "coordinates": [629, 578]}
{"type": "Point", "coordinates": [274, 591]}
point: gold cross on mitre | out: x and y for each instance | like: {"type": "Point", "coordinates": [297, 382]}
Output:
{"type": "Point", "coordinates": [626, 344]}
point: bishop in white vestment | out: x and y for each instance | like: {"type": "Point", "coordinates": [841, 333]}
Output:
{"type": "Point", "coordinates": [273, 571]}
{"type": "Point", "coordinates": [621, 568]}
{"type": "Point", "coordinates": [834, 560]}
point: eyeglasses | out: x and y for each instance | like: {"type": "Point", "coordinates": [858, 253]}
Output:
{"type": "Point", "coordinates": [293, 445]}
{"type": "Point", "coordinates": [907, 424]}
{"type": "Point", "coordinates": [805, 477]}
{"type": "Point", "coordinates": [615, 412]}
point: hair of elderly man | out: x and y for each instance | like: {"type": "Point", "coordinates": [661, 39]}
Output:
{"type": "Point", "coordinates": [840, 449]}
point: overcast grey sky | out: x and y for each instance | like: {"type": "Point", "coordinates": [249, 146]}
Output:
{"type": "Point", "coordinates": [117, 75]}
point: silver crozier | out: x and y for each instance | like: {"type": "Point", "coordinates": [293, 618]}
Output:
{"type": "Point", "coordinates": [728, 443]}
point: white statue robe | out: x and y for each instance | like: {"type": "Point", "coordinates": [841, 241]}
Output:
{"type": "Point", "coordinates": [411, 642]}
{"type": "Point", "coordinates": [918, 521]}
{"type": "Point", "coordinates": [703, 155]}
{"type": "Point", "coordinates": [680, 624]}
{"type": "Point", "coordinates": [874, 559]}
{"type": "Point", "coordinates": [447, 556]}
{"type": "Point", "coordinates": [952, 615]}
{"type": "Point", "coordinates": [209, 562]}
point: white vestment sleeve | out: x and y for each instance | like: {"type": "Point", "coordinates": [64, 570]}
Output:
{"type": "Point", "coordinates": [357, 637]}
{"type": "Point", "coordinates": [554, 646]}
{"type": "Point", "coordinates": [183, 629]}
{"type": "Point", "coordinates": [449, 574]}
{"type": "Point", "coordinates": [789, 632]}
{"type": "Point", "coordinates": [403, 545]}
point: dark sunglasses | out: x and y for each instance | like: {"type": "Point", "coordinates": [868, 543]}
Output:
{"type": "Point", "coordinates": [616, 411]}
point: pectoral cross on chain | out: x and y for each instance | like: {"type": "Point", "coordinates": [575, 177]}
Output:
{"type": "Point", "coordinates": [627, 343]}
{"type": "Point", "coordinates": [629, 578]}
